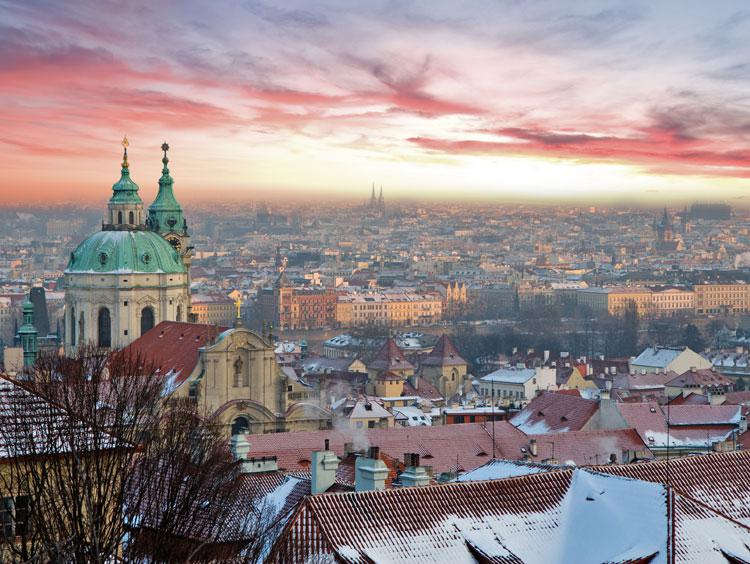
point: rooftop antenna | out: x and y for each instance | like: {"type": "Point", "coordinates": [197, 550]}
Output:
{"type": "Point", "coordinates": [492, 414]}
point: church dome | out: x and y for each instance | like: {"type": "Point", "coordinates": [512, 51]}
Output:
{"type": "Point", "coordinates": [133, 251]}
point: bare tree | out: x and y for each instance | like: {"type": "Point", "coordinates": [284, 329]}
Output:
{"type": "Point", "coordinates": [96, 465]}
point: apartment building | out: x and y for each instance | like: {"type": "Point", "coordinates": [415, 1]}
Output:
{"type": "Point", "coordinates": [721, 298]}
{"type": "Point", "coordinates": [391, 308]}
{"type": "Point", "coordinates": [673, 301]}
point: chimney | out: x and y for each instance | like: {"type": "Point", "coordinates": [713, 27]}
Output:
{"type": "Point", "coordinates": [370, 472]}
{"type": "Point", "coordinates": [716, 396]}
{"type": "Point", "coordinates": [533, 449]}
{"type": "Point", "coordinates": [589, 370]}
{"type": "Point", "coordinates": [240, 447]}
{"type": "Point", "coordinates": [546, 357]}
{"type": "Point", "coordinates": [414, 381]}
{"type": "Point", "coordinates": [515, 350]}
{"type": "Point", "coordinates": [413, 475]}
{"type": "Point", "coordinates": [323, 465]}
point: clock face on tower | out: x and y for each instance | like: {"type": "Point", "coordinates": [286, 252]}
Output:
{"type": "Point", "coordinates": [175, 242]}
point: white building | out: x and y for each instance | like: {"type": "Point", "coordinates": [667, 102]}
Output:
{"type": "Point", "coordinates": [516, 384]}
{"type": "Point", "coordinates": [664, 359]}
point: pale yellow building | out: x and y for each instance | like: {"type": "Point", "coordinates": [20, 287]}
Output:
{"type": "Point", "coordinates": [615, 300]}
{"type": "Point", "coordinates": [213, 309]}
{"type": "Point", "coordinates": [388, 308]}
{"type": "Point", "coordinates": [721, 298]}
{"type": "Point", "coordinates": [672, 301]}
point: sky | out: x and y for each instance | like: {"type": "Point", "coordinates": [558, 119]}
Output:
{"type": "Point", "coordinates": [507, 99]}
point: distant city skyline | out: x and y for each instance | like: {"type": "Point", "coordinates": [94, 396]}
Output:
{"type": "Point", "coordinates": [607, 102]}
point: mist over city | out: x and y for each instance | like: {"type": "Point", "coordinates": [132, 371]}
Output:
{"type": "Point", "coordinates": [382, 282]}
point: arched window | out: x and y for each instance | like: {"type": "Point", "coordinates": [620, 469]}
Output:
{"type": "Point", "coordinates": [119, 217]}
{"type": "Point", "coordinates": [105, 328]}
{"type": "Point", "coordinates": [453, 375]}
{"type": "Point", "coordinates": [81, 334]}
{"type": "Point", "coordinates": [72, 326]}
{"type": "Point", "coordinates": [147, 319]}
{"type": "Point", "coordinates": [132, 218]}
{"type": "Point", "coordinates": [178, 317]}
{"type": "Point", "coordinates": [241, 424]}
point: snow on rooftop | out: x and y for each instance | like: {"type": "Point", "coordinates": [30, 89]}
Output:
{"type": "Point", "coordinates": [510, 375]}
{"type": "Point", "coordinates": [500, 469]}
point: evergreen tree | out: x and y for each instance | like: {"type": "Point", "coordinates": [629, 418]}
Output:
{"type": "Point", "coordinates": [692, 338]}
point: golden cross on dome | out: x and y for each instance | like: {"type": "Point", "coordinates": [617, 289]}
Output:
{"type": "Point", "coordinates": [125, 145]}
{"type": "Point", "coordinates": [238, 305]}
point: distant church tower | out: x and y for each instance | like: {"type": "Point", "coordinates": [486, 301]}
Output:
{"type": "Point", "coordinates": [131, 275]}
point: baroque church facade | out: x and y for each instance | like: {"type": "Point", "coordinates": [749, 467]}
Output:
{"type": "Point", "coordinates": [134, 273]}
{"type": "Point", "coordinates": [128, 286]}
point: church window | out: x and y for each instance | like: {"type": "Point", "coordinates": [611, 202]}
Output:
{"type": "Point", "coordinates": [81, 335]}
{"type": "Point", "coordinates": [240, 425]}
{"type": "Point", "coordinates": [73, 326]}
{"type": "Point", "coordinates": [178, 317]}
{"type": "Point", "coordinates": [147, 319]}
{"type": "Point", "coordinates": [126, 332]}
{"type": "Point", "coordinates": [125, 303]}
{"type": "Point", "coordinates": [105, 328]}
{"type": "Point", "coordinates": [131, 218]}
{"type": "Point", "coordinates": [119, 217]}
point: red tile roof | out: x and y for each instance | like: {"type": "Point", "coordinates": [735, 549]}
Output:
{"type": "Point", "coordinates": [702, 377]}
{"type": "Point", "coordinates": [445, 448]}
{"type": "Point", "coordinates": [390, 357]}
{"type": "Point", "coordinates": [551, 412]}
{"type": "Point", "coordinates": [589, 447]}
{"type": "Point", "coordinates": [173, 346]}
{"type": "Point", "coordinates": [424, 389]}
{"type": "Point", "coordinates": [443, 354]}
{"type": "Point", "coordinates": [690, 399]}
{"type": "Point", "coordinates": [704, 414]}
{"type": "Point", "coordinates": [738, 398]}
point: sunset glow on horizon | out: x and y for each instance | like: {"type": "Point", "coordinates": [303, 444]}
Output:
{"type": "Point", "coordinates": [599, 101]}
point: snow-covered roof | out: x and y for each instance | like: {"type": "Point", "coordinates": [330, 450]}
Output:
{"type": "Point", "coordinates": [558, 516]}
{"type": "Point", "coordinates": [411, 416]}
{"type": "Point", "coordinates": [510, 375]}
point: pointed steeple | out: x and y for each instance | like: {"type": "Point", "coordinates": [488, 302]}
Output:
{"type": "Point", "coordinates": [165, 213]}
{"type": "Point", "coordinates": [27, 334]}
{"type": "Point", "coordinates": [373, 201]}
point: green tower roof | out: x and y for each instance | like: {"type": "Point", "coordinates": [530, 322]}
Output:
{"type": "Point", "coordinates": [121, 252]}
{"type": "Point", "coordinates": [125, 191]}
{"type": "Point", "coordinates": [165, 213]}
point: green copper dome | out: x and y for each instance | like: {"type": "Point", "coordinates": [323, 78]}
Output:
{"type": "Point", "coordinates": [125, 252]}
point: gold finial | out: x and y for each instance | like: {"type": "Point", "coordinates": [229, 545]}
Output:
{"type": "Point", "coordinates": [125, 144]}
{"type": "Point", "coordinates": [238, 305]}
